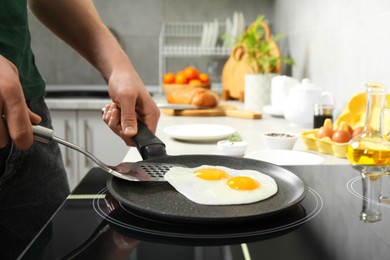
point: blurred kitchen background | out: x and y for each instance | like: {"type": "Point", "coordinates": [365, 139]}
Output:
{"type": "Point", "coordinates": [340, 45]}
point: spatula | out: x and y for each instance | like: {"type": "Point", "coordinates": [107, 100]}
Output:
{"type": "Point", "coordinates": [138, 171]}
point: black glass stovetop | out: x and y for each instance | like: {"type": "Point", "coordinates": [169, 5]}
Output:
{"type": "Point", "coordinates": [91, 224]}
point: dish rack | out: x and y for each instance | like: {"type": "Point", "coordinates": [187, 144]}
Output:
{"type": "Point", "coordinates": [186, 39]}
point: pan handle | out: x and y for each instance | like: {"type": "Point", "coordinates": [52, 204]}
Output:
{"type": "Point", "coordinates": [149, 146]}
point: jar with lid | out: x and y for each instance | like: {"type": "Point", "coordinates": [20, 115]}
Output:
{"type": "Point", "coordinates": [321, 113]}
{"type": "Point", "coordinates": [323, 110]}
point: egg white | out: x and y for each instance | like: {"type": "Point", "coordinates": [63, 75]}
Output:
{"type": "Point", "coordinates": [218, 192]}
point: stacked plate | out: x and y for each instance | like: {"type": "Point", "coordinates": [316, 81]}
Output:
{"type": "Point", "coordinates": [210, 34]}
{"type": "Point", "coordinates": [234, 28]}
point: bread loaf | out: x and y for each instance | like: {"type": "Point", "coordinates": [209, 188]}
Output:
{"type": "Point", "coordinates": [193, 96]}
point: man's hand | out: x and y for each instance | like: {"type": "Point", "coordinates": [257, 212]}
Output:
{"type": "Point", "coordinates": [131, 102]}
{"type": "Point", "coordinates": [129, 93]}
{"type": "Point", "coordinates": [16, 118]}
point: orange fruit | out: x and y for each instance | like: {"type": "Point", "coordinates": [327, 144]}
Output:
{"type": "Point", "coordinates": [169, 78]}
{"type": "Point", "coordinates": [195, 82]}
{"type": "Point", "coordinates": [191, 73]}
{"type": "Point", "coordinates": [204, 77]}
{"type": "Point", "coordinates": [181, 78]}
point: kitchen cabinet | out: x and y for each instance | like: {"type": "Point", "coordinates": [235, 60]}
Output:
{"type": "Point", "coordinates": [86, 129]}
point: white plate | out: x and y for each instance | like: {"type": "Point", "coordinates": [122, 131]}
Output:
{"type": "Point", "coordinates": [241, 23]}
{"type": "Point", "coordinates": [285, 157]}
{"type": "Point", "coordinates": [199, 132]}
{"type": "Point", "coordinates": [228, 40]}
{"type": "Point", "coordinates": [206, 35]}
{"type": "Point", "coordinates": [215, 33]}
{"type": "Point", "coordinates": [273, 111]}
{"type": "Point", "coordinates": [234, 32]}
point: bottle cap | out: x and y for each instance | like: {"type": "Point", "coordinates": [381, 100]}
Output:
{"type": "Point", "coordinates": [320, 109]}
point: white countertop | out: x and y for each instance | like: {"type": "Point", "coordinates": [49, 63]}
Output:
{"type": "Point", "coordinates": [76, 103]}
{"type": "Point", "coordinates": [249, 129]}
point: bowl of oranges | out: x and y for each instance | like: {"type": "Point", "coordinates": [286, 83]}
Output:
{"type": "Point", "coordinates": [189, 76]}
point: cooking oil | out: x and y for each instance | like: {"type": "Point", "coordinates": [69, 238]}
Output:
{"type": "Point", "coordinates": [371, 147]}
{"type": "Point", "coordinates": [366, 156]}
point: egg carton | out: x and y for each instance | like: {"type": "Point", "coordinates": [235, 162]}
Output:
{"type": "Point", "coordinates": [354, 114]}
{"type": "Point", "coordinates": [323, 145]}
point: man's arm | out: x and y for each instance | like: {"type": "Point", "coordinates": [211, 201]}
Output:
{"type": "Point", "coordinates": [77, 22]}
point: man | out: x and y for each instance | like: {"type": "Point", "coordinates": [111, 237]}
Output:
{"type": "Point", "coordinates": [32, 178]}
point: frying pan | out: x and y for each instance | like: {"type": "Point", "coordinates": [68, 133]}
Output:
{"type": "Point", "coordinates": [160, 201]}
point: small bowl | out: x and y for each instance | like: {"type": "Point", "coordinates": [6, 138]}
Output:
{"type": "Point", "coordinates": [280, 140]}
{"type": "Point", "coordinates": [230, 148]}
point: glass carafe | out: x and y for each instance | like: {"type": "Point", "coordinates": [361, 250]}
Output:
{"type": "Point", "coordinates": [369, 153]}
{"type": "Point", "coordinates": [370, 147]}
{"type": "Point", "coordinates": [385, 189]}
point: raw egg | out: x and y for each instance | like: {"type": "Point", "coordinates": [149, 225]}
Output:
{"type": "Point", "coordinates": [343, 134]}
{"type": "Point", "coordinates": [357, 131]}
{"type": "Point", "coordinates": [326, 130]}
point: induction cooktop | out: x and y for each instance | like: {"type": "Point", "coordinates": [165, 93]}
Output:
{"type": "Point", "coordinates": [95, 219]}
{"type": "Point", "coordinates": [90, 225]}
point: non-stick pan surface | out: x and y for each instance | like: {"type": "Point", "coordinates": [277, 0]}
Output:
{"type": "Point", "coordinates": [159, 200]}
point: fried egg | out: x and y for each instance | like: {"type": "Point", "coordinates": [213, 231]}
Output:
{"type": "Point", "coordinates": [219, 185]}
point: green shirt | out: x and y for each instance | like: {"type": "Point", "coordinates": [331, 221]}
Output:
{"type": "Point", "coordinates": [15, 41]}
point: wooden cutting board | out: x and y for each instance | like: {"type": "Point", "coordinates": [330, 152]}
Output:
{"type": "Point", "coordinates": [221, 110]}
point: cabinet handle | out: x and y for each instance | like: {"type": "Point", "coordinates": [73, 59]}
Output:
{"type": "Point", "coordinates": [68, 161]}
{"type": "Point", "coordinates": [87, 135]}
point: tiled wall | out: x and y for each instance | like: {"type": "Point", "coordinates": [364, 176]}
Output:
{"type": "Point", "coordinates": [340, 45]}
{"type": "Point", "coordinates": [138, 24]}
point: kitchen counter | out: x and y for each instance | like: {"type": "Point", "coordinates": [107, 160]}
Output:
{"type": "Point", "coordinates": [76, 115]}
{"type": "Point", "coordinates": [249, 129]}
{"type": "Point", "coordinates": [76, 103]}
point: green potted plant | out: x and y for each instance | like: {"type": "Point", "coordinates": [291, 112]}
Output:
{"type": "Point", "coordinates": [256, 59]}
{"type": "Point", "coordinates": [261, 48]}
{"type": "Point", "coordinates": [264, 59]}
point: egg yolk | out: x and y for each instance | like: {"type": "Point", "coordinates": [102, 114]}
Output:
{"type": "Point", "coordinates": [211, 174]}
{"type": "Point", "coordinates": [243, 183]}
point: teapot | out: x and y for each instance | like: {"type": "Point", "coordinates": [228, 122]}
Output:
{"type": "Point", "coordinates": [280, 89]}
{"type": "Point", "coordinates": [299, 109]}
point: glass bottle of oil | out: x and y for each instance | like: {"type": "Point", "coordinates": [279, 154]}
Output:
{"type": "Point", "coordinates": [371, 148]}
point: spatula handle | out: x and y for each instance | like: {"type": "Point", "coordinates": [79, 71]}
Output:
{"type": "Point", "coordinates": [45, 135]}
{"type": "Point", "coordinates": [42, 134]}
{"type": "Point", "coordinates": [148, 145]}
